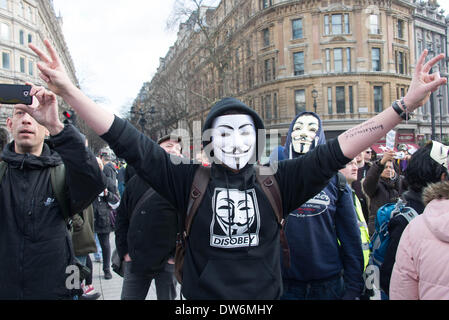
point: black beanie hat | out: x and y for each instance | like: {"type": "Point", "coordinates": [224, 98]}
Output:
{"type": "Point", "coordinates": [232, 104]}
{"type": "Point", "coordinates": [228, 104]}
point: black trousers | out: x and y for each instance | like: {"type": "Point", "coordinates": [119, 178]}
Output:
{"type": "Point", "coordinates": [106, 250]}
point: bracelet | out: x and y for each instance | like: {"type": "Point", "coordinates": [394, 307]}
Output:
{"type": "Point", "coordinates": [403, 113]}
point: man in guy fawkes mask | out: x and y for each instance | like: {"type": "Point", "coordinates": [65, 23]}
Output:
{"type": "Point", "coordinates": [222, 261]}
{"type": "Point", "coordinates": [233, 249]}
{"type": "Point", "coordinates": [322, 234]}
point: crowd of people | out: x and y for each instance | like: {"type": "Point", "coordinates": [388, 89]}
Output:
{"type": "Point", "coordinates": [229, 226]}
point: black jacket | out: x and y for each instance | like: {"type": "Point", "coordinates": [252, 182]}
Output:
{"type": "Point", "coordinates": [34, 250]}
{"type": "Point", "coordinates": [103, 211]}
{"type": "Point", "coordinates": [380, 191]}
{"type": "Point", "coordinates": [148, 234]}
{"type": "Point", "coordinates": [111, 174]}
{"type": "Point", "coordinates": [233, 251]}
{"type": "Point", "coordinates": [396, 227]}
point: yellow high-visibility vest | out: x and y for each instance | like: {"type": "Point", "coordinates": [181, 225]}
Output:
{"type": "Point", "coordinates": [364, 234]}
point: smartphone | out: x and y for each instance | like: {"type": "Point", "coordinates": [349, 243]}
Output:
{"type": "Point", "coordinates": [15, 94]}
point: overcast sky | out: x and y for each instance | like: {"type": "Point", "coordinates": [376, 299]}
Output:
{"type": "Point", "coordinates": [116, 45]}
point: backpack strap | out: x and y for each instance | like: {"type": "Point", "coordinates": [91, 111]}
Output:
{"type": "Point", "coordinates": [3, 167]}
{"type": "Point", "coordinates": [148, 194]}
{"type": "Point", "coordinates": [272, 191]}
{"type": "Point", "coordinates": [341, 184]}
{"type": "Point", "coordinates": [197, 191]}
{"type": "Point", "coordinates": [57, 177]}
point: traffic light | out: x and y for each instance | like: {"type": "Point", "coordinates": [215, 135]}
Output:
{"type": "Point", "coordinates": [70, 117]}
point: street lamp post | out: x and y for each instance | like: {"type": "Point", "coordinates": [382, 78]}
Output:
{"type": "Point", "coordinates": [432, 102]}
{"type": "Point", "coordinates": [440, 96]}
{"type": "Point", "coordinates": [314, 95]}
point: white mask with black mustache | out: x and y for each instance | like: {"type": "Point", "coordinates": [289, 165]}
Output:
{"type": "Point", "coordinates": [234, 140]}
{"type": "Point", "coordinates": [304, 133]}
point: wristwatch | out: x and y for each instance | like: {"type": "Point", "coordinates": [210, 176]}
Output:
{"type": "Point", "coordinates": [403, 113]}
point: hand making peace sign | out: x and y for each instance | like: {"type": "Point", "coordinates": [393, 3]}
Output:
{"type": "Point", "coordinates": [423, 83]}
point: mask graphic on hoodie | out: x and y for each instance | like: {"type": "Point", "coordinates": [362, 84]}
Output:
{"type": "Point", "coordinates": [236, 221]}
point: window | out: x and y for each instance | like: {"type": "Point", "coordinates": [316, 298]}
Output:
{"type": "Point", "coordinates": [400, 62]}
{"type": "Point", "coordinates": [6, 60]}
{"type": "Point", "coordinates": [338, 60]}
{"type": "Point", "coordinates": [30, 38]}
{"type": "Point", "coordinates": [336, 24]}
{"type": "Point", "coordinates": [30, 67]}
{"type": "Point", "coordinates": [268, 114]}
{"type": "Point", "coordinates": [250, 77]}
{"type": "Point", "coordinates": [4, 4]}
{"type": "Point", "coordinates": [329, 100]}
{"type": "Point", "coordinates": [248, 48]}
{"type": "Point", "coordinates": [20, 8]}
{"type": "Point", "coordinates": [21, 37]}
{"type": "Point", "coordinates": [268, 69]}
{"type": "Point", "coordinates": [297, 29]}
{"type": "Point", "coordinates": [351, 99]}
{"type": "Point", "coordinates": [374, 24]}
{"type": "Point", "coordinates": [346, 23]}
{"type": "Point", "coordinates": [266, 3]}
{"type": "Point", "coordinates": [275, 105]}
{"type": "Point", "coordinates": [30, 13]}
{"type": "Point", "coordinates": [300, 101]}
{"type": "Point", "coordinates": [400, 29]}
{"type": "Point", "coordinates": [348, 59]}
{"type": "Point", "coordinates": [22, 64]}
{"type": "Point", "coordinates": [340, 99]}
{"type": "Point", "coordinates": [378, 100]}
{"type": "Point", "coordinates": [266, 37]}
{"type": "Point", "coordinates": [298, 63]}
{"type": "Point", "coordinates": [375, 58]}
{"type": "Point", "coordinates": [4, 31]}
{"type": "Point", "coordinates": [420, 47]}
{"type": "Point", "coordinates": [328, 60]}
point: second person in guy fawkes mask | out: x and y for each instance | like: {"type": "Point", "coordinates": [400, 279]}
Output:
{"type": "Point", "coordinates": [323, 235]}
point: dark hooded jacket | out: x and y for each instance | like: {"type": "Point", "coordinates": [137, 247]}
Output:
{"type": "Point", "coordinates": [147, 233]}
{"type": "Point", "coordinates": [323, 234]}
{"type": "Point", "coordinates": [380, 191]}
{"type": "Point", "coordinates": [233, 251]}
{"type": "Point", "coordinates": [35, 242]}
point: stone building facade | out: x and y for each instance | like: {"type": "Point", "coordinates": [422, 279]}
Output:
{"type": "Point", "coordinates": [345, 59]}
{"type": "Point", "coordinates": [23, 22]}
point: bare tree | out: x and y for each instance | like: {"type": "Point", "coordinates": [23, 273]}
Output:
{"type": "Point", "coordinates": [211, 41]}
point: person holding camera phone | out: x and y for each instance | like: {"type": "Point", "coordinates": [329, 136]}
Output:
{"type": "Point", "coordinates": [382, 184]}
{"type": "Point", "coordinates": [233, 249]}
{"type": "Point", "coordinates": [36, 246]}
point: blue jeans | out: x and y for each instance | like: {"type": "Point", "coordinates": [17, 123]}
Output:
{"type": "Point", "coordinates": [327, 289]}
{"type": "Point", "coordinates": [99, 253]}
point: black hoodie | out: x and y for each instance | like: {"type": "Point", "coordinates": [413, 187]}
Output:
{"type": "Point", "coordinates": [223, 260]}
{"type": "Point", "coordinates": [34, 242]}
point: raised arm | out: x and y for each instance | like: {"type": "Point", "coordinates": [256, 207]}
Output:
{"type": "Point", "coordinates": [355, 140]}
{"type": "Point", "coordinates": [53, 73]}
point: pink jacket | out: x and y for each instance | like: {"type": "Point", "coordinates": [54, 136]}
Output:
{"type": "Point", "coordinates": [421, 270]}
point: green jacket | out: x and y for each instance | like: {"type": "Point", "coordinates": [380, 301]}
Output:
{"type": "Point", "coordinates": [83, 237]}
